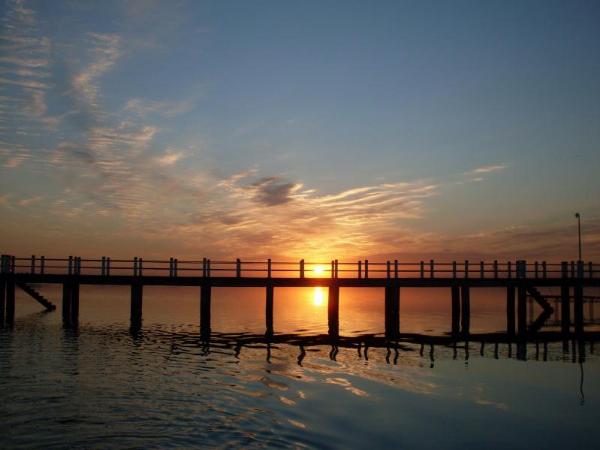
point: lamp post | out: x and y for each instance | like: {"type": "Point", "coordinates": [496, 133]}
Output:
{"type": "Point", "coordinates": [578, 217]}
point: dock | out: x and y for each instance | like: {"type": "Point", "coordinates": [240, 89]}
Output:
{"type": "Point", "coordinates": [522, 281]}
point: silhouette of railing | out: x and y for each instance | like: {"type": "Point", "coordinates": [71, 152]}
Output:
{"type": "Point", "coordinates": [206, 268]}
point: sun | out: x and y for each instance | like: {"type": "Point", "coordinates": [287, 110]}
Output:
{"type": "Point", "coordinates": [319, 270]}
{"type": "Point", "coordinates": [318, 296]}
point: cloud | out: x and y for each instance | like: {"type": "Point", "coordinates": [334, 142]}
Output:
{"type": "Point", "coordinates": [105, 51]}
{"type": "Point", "coordinates": [271, 191]}
{"type": "Point", "coordinates": [144, 107]}
{"type": "Point", "coordinates": [30, 201]}
{"type": "Point", "coordinates": [487, 169]}
{"type": "Point", "coordinates": [169, 158]}
{"type": "Point", "coordinates": [276, 215]}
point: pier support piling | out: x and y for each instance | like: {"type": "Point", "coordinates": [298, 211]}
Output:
{"type": "Point", "coordinates": [74, 303]}
{"type": "Point", "coordinates": [578, 308]}
{"type": "Point", "coordinates": [205, 294]}
{"type": "Point", "coordinates": [510, 310]}
{"type": "Point", "coordinates": [466, 309]}
{"type": "Point", "coordinates": [269, 310]}
{"type": "Point", "coordinates": [136, 304]}
{"type": "Point", "coordinates": [521, 310]}
{"type": "Point", "coordinates": [2, 300]}
{"type": "Point", "coordinates": [66, 302]}
{"type": "Point", "coordinates": [10, 301]}
{"type": "Point", "coordinates": [565, 309]}
{"type": "Point", "coordinates": [392, 311]}
{"type": "Point", "coordinates": [333, 311]}
{"type": "Point", "coordinates": [455, 290]}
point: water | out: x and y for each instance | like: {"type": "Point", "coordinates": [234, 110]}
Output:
{"type": "Point", "coordinates": [103, 386]}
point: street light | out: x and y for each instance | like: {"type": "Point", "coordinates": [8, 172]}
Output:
{"type": "Point", "coordinates": [578, 217]}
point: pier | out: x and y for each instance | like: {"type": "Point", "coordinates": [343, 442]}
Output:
{"type": "Point", "coordinates": [522, 281]}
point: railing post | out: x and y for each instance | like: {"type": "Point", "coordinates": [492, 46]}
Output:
{"type": "Point", "coordinates": [42, 264]}
{"type": "Point", "coordinates": [431, 269]}
{"type": "Point", "coordinates": [79, 265]}
{"type": "Point", "coordinates": [332, 269]}
{"type": "Point", "coordinates": [302, 268]}
{"type": "Point", "coordinates": [495, 268]}
{"type": "Point", "coordinates": [388, 269]}
{"type": "Point", "coordinates": [422, 269]}
{"type": "Point", "coordinates": [13, 264]}
{"type": "Point", "coordinates": [580, 269]}
{"type": "Point", "coordinates": [481, 269]}
{"type": "Point", "coordinates": [269, 268]}
{"type": "Point", "coordinates": [366, 268]}
{"type": "Point", "coordinates": [395, 268]}
{"type": "Point", "coordinates": [238, 268]}
{"type": "Point", "coordinates": [70, 270]}
{"type": "Point", "coordinates": [103, 266]}
{"type": "Point", "coordinates": [466, 268]}
{"type": "Point", "coordinates": [521, 269]}
{"type": "Point", "coordinates": [360, 269]}
{"type": "Point", "coordinates": [544, 270]}
{"type": "Point", "coordinates": [32, 264]}
{"type": "Point", "coordinates": [453, 269]}
{"type": "Point", "coordinates": [203, 267]}
{"type": "Point", "coordinates": [135, 266]}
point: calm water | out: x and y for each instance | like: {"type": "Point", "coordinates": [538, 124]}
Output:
{"type": "Point", "coordinates": [105, 387]}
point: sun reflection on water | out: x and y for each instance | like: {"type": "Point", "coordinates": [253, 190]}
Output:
{"type": "Point", "coordinates": [318, 296]}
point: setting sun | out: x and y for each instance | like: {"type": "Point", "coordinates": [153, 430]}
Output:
{"type": "Point", "coordinates": [318, 296]}
{"type": "Point", "coordinates": [319, 270]}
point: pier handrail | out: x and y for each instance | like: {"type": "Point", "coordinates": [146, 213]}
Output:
{"type": "Point", "coordinates": [205, 267]}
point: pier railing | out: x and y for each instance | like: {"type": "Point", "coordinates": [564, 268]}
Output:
{"type": "Point", "coordinates": [205, 267]}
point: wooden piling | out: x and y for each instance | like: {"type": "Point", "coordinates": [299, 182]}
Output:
{"type": "Point", "coordinates": [66, 302]}
{"type": "Point", "coordinates": [333, 310]}
{"type": "Point", "coordinates": [521, 310]}
{"type": "Point", "coordinates": [392, 311]}
{"type": "Point", "coordinates": [510, 310]}
{"type": "Point", "coordinates": [455, 291]}
{"type": "Point", "coordinates": [269, 309]}
{"type": "Point", "coordinates": [136, 303]}
{"type": "Point", "coordinates": [74, 303]}
{"type": "Point", "coordinates": [10, 301]}
{"type": "Point", "coordinates": [578, 308]}
{"type": "Point", "coordinates": [205, 294]}
{"type": "Point", "coordinates": [2, 300]}
{"type": "Point", "coordinates": [465, 309]}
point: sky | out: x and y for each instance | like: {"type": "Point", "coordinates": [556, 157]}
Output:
{"type": "Point", "coordinates": [312, 129]}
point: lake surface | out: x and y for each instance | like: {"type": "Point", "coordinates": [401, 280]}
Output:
{"type": "Point", "coordinates": [103, 385]}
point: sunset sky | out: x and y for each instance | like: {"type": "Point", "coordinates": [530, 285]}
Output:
{"type": "Point", "coordinates": [300, 129]}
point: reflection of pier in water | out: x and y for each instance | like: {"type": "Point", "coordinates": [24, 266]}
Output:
{"type": "Point", "coordinates": [521, 281]}
{"type": "Point", "coordinates": [546, 346]}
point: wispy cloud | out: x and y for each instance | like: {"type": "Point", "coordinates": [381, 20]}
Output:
{"type": "Point", "coordinates": [105, 51]}
{"type": "Point", "coordinates": [487, 169]}
{"type": "Point", "coordinates": [30, 201]}
{"type": "Point", "coordinates": [144, 107]}
{"type": "Point", "coordinates": [24, 63]}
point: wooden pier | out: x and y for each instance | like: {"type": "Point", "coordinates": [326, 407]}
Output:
{"type": "Point", "coordinates": [521, 280]}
